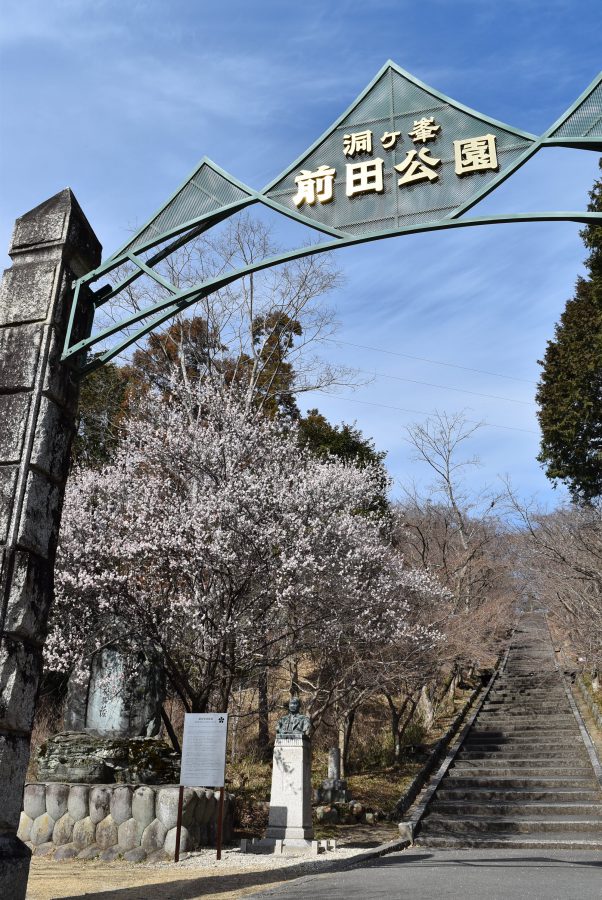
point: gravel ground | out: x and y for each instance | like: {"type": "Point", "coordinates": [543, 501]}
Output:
{"type": "Point", "coordinates": [200, 875]}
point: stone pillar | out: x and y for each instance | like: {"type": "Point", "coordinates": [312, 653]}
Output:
{"type": "Point", "coordinates": [334, 764]}
{"type": "Point", "coordinates": [333, 789]}
{"type": "Point", "coordinates": [290, 799]}
{"type": "Point", "coordinates": [51, 245]}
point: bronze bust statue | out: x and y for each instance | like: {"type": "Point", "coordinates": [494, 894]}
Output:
{"type": "Point", "coordinates": [294, 724]}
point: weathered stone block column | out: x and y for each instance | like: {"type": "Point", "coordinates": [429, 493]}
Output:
{"type": "Point", "coordinates": [51, 245]}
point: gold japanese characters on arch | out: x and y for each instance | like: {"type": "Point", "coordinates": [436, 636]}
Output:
{"type": "Point", "coordinates": [364, 176]}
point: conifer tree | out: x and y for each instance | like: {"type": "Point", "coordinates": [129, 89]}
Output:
{"type": "Point", "coordinates": [569, 393]}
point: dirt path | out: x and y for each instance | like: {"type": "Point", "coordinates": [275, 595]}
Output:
{"type": "Point", "coordinates": [196, 877]}
{"type": "Point", "coordinates": [118, 881]}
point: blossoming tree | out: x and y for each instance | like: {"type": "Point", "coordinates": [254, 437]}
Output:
{"type": "Point", "coordinates": [214, 535]}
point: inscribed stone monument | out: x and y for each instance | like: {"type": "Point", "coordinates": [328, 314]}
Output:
{"type": "Point", "coordinates": [117, 693]}
{"type": "Point", "coordinates": [112, 715]}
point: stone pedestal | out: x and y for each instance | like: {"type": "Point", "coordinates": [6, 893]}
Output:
{"type": "Point", "coordinates": [289, 824]}
{"type": "Point", "coordinates": [290, 799]}
{"type": "Point", "coordinates": [75, 757]}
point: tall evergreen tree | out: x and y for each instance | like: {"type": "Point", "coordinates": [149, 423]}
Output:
{"type": "Point", "coordinates": [103, 408]}
{"type": "Point", "coordinates": [569, 393]}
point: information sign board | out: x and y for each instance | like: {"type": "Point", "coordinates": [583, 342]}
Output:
{"type": "Point", "coordinates": [204, 749]}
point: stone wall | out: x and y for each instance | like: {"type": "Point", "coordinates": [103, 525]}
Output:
{"type": "Point", "coordinates": [136, 822]}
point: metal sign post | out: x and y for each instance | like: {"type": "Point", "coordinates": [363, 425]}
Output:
{"type": "Point", "coordinates": [220, 823]}
{"type": "Point", "coordinates": [203, 764]}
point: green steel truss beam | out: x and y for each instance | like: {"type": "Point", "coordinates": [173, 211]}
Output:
{"type": "Point", "coordinates": [181, 300]}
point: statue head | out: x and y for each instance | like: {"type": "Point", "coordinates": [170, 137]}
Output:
{"type": "Point", "coordinates": [294, 705]}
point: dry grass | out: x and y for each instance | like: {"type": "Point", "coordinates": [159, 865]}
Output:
{"type": "Point", "coordinates": [46, 723]}
{"type": "Point", "coordinates": [597, 695]}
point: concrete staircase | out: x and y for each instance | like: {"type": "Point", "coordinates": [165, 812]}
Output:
{"type": "Point", "coordinates": [523, 778]}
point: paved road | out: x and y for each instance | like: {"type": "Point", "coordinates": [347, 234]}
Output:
{"type": "Point", "coordinates": [468, 874]}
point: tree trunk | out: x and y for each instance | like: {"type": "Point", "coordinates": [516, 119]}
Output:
{"type": "Point", "coordinates": [409, 718]}
{"type": "Point", "coordinates": [345, 729]}
{"type": "Point", "coordinates": [170, 731]}
{"type": "Point", "coordinates": [295, 689]}
{"type": "Point", "coordinates": [235, 727]}
{"type": "Point", "coordinates": [396, 716]}
{"type": "Point", "coordinates": [263, 710]}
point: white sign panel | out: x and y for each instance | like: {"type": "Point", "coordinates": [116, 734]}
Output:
{"type": "Point", "coordinates": [204, 749]}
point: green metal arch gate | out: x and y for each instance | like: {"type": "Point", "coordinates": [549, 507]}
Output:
{"type": "Point", "coordinates": [433, 193]}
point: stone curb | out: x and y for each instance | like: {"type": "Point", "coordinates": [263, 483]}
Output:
{"type": "Point", "coordinates": [86, 820]}
{"type": "Point", "coordinates": [406, 800]}
{"type": "Point", "coordinates": [585, 735]}
{"type": "Point", "coordinates": [410, 827]}
{"type": "Point", "coordinates": [590, 701]}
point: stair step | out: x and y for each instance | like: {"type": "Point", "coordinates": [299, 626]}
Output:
{"type": "Point", "coordinates": [513, 825]}
{"type": "Point", "coordinates": [521, 729]}
{"type": "Point", "coordinates": [519, 741]}
{"type": "Point", "coordinates": [545, 697]}
{"type": "Point", "coordinates": [519, 712]}
{"type": "Point", "coordinates": [528, 720]}
{"type": "Point", "coordinates": [528, 781]}
{"type": "Point", "coordinates": [465, 770]}
{"type": "Point", "coordinates": [503, 753]}
{"type": "Point", "coordinates": [541, 841]}
{"type": "Point", "coordinates": [523, 703]}
{"type": "Point", "coordinates": [495, 808]}
{"type": "Point", "coordinates": [518, 795]}
{"type": "Point", "coordinates": [528, 723]}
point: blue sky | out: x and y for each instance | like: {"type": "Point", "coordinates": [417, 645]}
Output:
{"type": "Point", "coordinates": [119, 101]}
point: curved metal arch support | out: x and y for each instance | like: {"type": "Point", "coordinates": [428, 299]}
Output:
{"type": "Point", "coordinates": [165, 309]}
{"type": "Point", "coordinates": [192, 228]}
{"type": "Point", "coordinates": [183, 234]}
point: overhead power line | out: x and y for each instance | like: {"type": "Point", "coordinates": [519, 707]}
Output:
{"type": "Point", "coordinates": [445, 387]}
{"type": "Point", "coordinates": [422, 412]}
{"type": "Point", "coordinates": [435, 362]}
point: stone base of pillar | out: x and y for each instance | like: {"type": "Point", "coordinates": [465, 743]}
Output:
{"type": "Point", "coordinates": [290, 846]}
{"type": "Point", "coordinates": [14, 867]}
